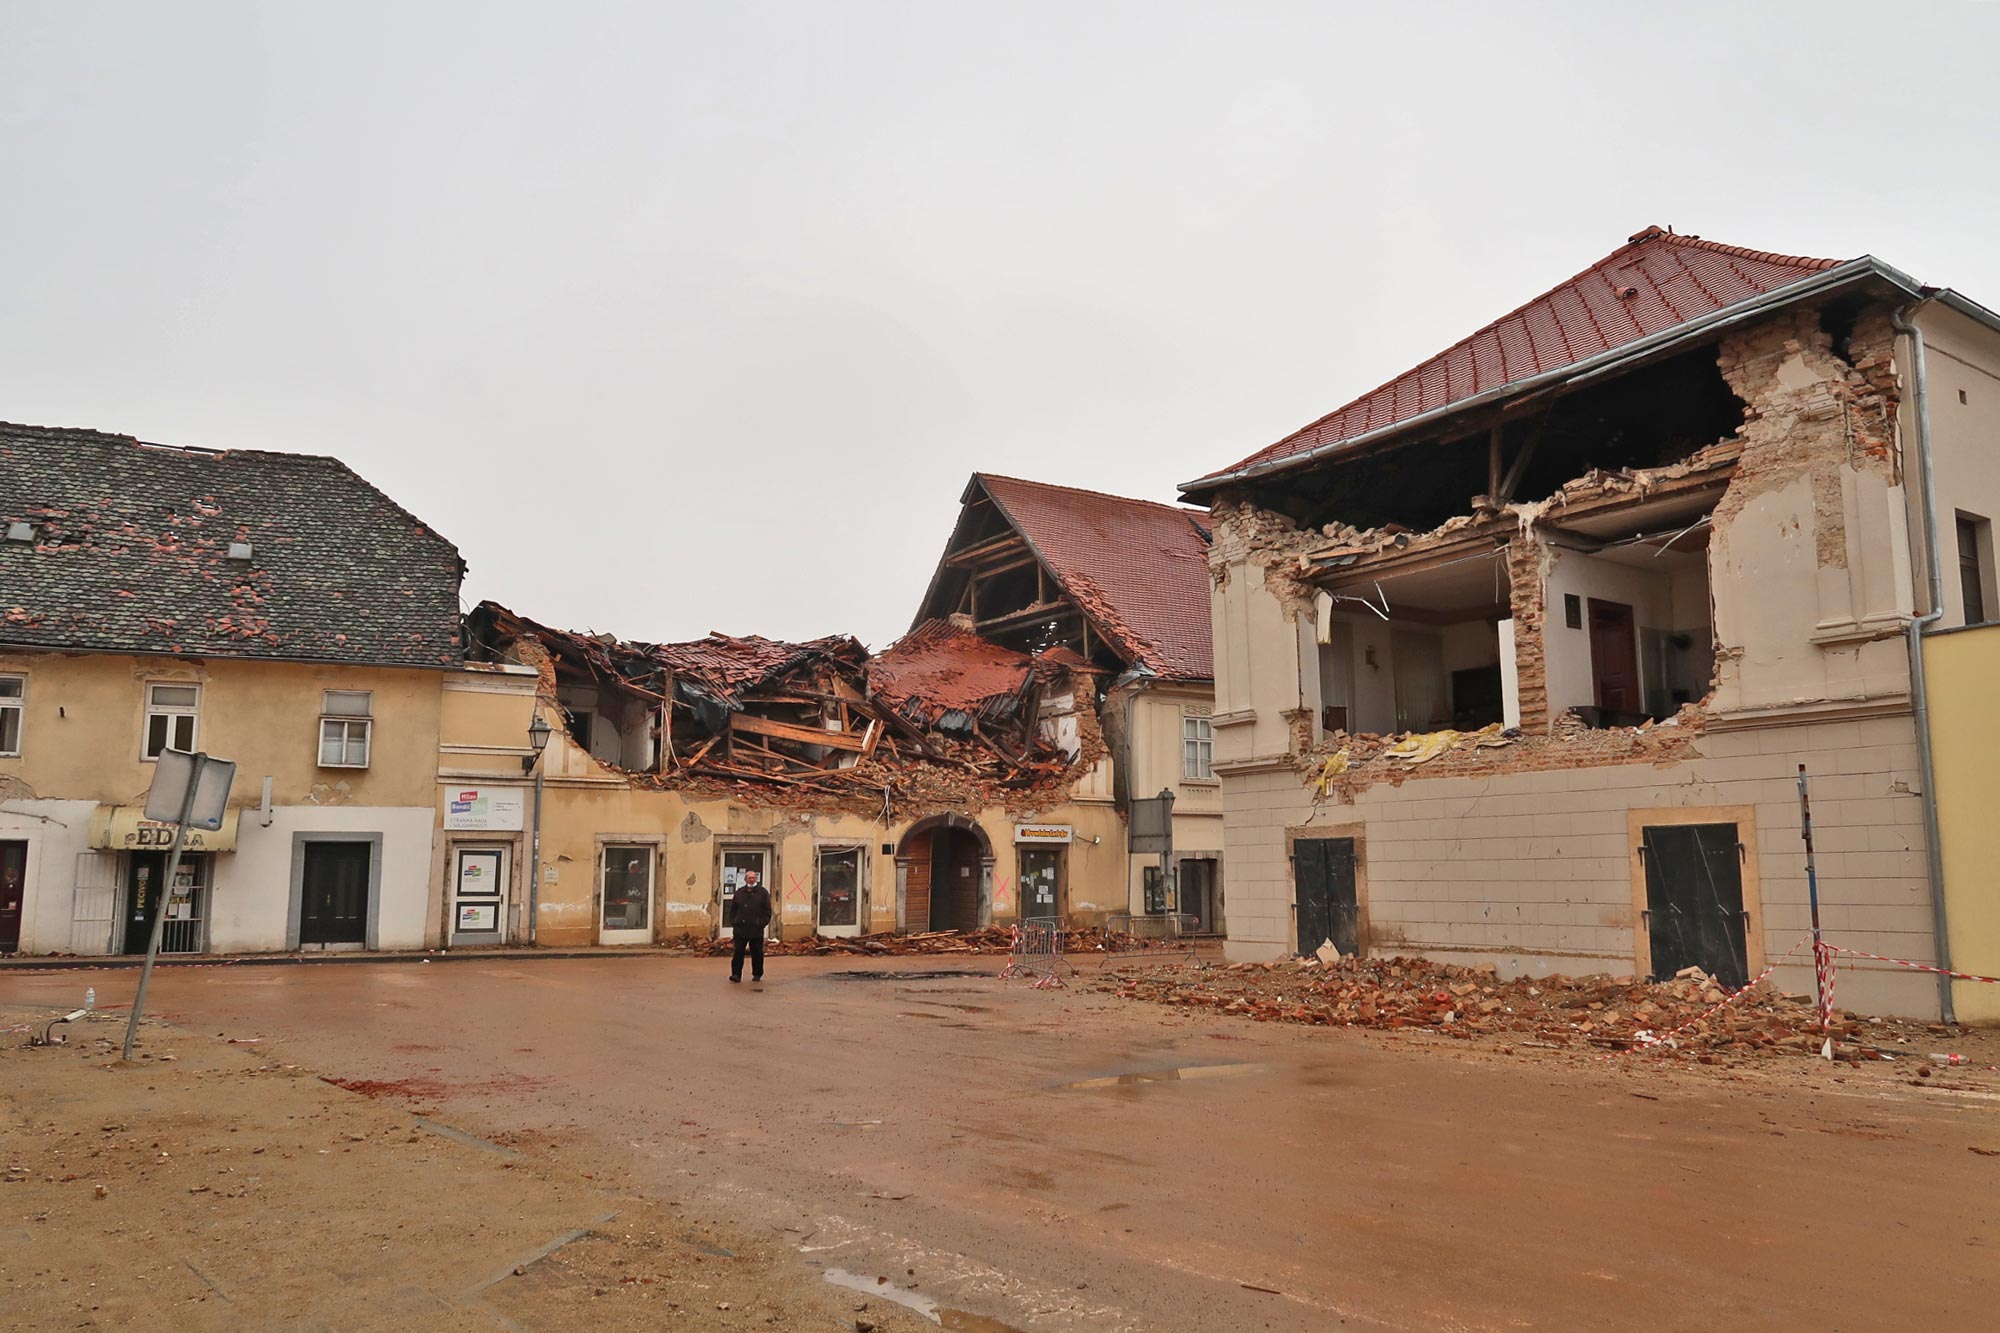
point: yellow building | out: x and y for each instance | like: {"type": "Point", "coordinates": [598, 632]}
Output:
{"type": "Point", "coordinates": [645, 829]}
{"type": "Point", "coordinates": [270, 609]}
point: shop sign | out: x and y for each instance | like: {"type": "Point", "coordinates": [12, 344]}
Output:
{"type": "Point", "coordinates": [125, 828]}
{"type": "Point", "coordinates": [496, 809]}
{"type": "Point", "coordinates": [1045, 833]}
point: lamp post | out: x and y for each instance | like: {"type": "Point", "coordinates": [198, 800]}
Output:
{"type": "Point", "coordinates": [538, 739]}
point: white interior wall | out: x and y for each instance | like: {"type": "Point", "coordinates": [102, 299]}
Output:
{"type": "Point", "coordinates": [1568, 670]}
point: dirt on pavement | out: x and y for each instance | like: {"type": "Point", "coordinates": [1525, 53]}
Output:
{"type": "Point", "coordinates": [1066, 1160]}
{"type": "Point", "coordinates": [208, 1186]}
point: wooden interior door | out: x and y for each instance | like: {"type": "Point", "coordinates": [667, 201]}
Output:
{"type": "Point", "coordinates": [1614, 657]}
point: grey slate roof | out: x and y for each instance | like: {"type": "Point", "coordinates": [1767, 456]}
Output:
{"type": "Point", "coordinates": [130, 554]}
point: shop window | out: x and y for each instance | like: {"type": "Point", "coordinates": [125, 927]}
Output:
{"type": "Point", "coordinates": [345, 727]}
{"type": "Point", "coordinates": [171, 709]}
{"type": "Point", "coordinates": [839, 888]}
{"type": "Point", "coordinates": [628, 887]}
{"type": "Point", "coordinates": [1197, 748]}
{"type": "Point", "coordinates": [13, 694]}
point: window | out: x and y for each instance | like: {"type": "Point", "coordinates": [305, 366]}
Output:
{"type": "Point", "coordinates": [1972, 544]}
{"type": "Point", "coordinates": [1197, 748]}
{"type": "Point", "coordinates": [170, 717]}
{"type": "Point", "coordinates": [344, 727]}
{"type": "Point", "coordinates": [628, 887]}
{"type": "Point", "coordinates": [12, 691]}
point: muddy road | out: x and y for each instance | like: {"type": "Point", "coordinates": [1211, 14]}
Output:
{"type": "Point", "coordinates": [1063, 1160]}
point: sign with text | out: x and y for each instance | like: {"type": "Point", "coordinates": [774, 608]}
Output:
{"type": "Point", "coordinates": [497, 809]}
{"type": "Point", "coordinates": [1057, 834]}
{"type": "Point", "coordinates": [125, 828]}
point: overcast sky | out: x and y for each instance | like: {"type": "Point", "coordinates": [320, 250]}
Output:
{"type": "Point", "coordinates": [679, 317]}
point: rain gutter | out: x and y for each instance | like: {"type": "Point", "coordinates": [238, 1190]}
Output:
{"type": "Point", "coordinates": [1920, 703]}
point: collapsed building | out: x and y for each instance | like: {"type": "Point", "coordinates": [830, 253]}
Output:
{"type": "Point", "coordinates": [1518, 656]}
{"type": "Point", "coordinates": [869, 793]}
{"type": "Point", "coordinates": [1119, 586]}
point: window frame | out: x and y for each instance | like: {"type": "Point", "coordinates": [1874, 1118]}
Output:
{"type": "Point", "coordinates": [1973, 535]}
{"type": "Point", "coordinates": [1197, 748]}
{"type": "Point", "coordinates": [329, 717]}
{"type": "Point", "coordinates": [169, 711]}
{"type": "Point", "coordinates": [17, 704]}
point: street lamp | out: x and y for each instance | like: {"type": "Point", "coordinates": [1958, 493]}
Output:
{"type": "Point", "coordinates": [538, 740]}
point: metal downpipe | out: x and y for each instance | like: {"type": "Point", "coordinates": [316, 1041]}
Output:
{"type": "Point", "coordinates": [1920, 703]}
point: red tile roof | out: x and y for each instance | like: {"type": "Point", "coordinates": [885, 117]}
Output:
{"type": "Point", "coordinates": [939, 667]}
{"type": "Point", "coordinates": [1654, 282]}
{"type": "Point", "coordinates": [1137, 568]}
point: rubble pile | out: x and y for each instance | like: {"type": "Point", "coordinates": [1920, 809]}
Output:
{"type": "Point", "coordinates": [1600, 1012]}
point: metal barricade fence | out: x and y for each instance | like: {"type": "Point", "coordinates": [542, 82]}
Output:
{"type": "Point", "coordinates": [1130, 932]}
{"type": "Point", "coordinates": [1037, 952]}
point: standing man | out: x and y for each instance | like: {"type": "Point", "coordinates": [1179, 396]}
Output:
{"type": "Point", "coordinates": [749, 913]}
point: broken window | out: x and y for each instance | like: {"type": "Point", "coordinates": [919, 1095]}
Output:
{"type": "Point", "coordinates": [345, 728]}
{"type": "Point", "coordinates": [171, 711]}
{"type": "Point", "coordinates": [13, 696]}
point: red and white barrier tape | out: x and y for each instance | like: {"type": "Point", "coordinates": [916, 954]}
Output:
{"type": "Point", "coordinates": [1904, 962]}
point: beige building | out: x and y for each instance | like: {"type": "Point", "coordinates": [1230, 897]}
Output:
{"type": "Point", "coordinates": [270, 609]}
{"type": "Point", "coordinates": [945, 783]}
{"type": "Point", "coordinates": [1518, 657]}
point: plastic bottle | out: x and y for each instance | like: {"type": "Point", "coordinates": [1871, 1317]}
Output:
{"type": "Point", "coordinates": [1940, 1059]}
{"type": "Point", "coordinates": [90, 999]}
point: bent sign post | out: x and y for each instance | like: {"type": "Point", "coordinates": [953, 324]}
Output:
{"type": "Point", "coordinates": [189, 790]}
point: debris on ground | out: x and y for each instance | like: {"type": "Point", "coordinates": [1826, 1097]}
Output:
{"type": "Point", "coordinates": [1604, 1013]}
{"type": "Point", "coordinates": [986, 940]}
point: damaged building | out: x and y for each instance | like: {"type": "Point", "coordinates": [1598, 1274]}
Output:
{"type": "Point", "coordinates": [1518, 655]}
{"type": "Point", "coordinates": [1120, 586]}
{"type": "Point", "coordinates": [899, 791]}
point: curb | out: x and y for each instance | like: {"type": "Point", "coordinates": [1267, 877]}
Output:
{"type": "Point", "coordinates": [123, 962]}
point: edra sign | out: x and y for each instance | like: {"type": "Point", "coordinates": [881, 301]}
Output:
{"type": "Point", "coordinates": [1058, 833]}
{"type": "Point", "coordinates": [125, 828]}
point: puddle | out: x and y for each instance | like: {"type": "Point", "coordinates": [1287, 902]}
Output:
{"type": "Point", "coordinates": [942, 1316]}
{"type": "Point", "coordinates": [864, 974]}
{"type": "Point", "coordinates": [1180, 1074]}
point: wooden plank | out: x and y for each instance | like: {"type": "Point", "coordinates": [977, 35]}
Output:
{"type": "Point", "coordinates": [790, 731]}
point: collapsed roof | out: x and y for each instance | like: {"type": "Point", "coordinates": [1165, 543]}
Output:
{"type": "Point", "coordinates": [1121, 582]}
{"type": "Point", "coordinates": [940, 707]}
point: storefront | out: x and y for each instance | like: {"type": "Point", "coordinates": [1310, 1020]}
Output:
{"type": "Point", "coordinates": [1042, 853]}
{"type": "Point", "coordinates": [142, 847]}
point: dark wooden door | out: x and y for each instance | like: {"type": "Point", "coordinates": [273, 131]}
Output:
{"type": "Point", "coordinates": [1614, 657]}
{"type": "Point", "coordinates": [13, 893]}
{"type": "Point", "coordinates": [1323, 872]}
{"type": "Point", "coordinates": [333, 907]}
{"type": "Point", "coordinates": [144, 872]}
{"type": "Point", "coordinates": [1694, 901]}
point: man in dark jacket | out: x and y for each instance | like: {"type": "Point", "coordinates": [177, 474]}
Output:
{"type": "Point", "coordinates": [749, 913]}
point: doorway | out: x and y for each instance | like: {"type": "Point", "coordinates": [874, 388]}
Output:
{"type": "Point", "coordinates": [145, 873]}
{"type": "Point", "coordinates": [1614, 658]}
{"type": "Point", "coordinates": [1694, 912]}
{"type": "Point", "coordinates": [625, 872]}
{"type": "Point", "coordinates": [334, 892]}
{"type": "Point", "coordinates": [1201, 893]}
{"type": "Point", "coordinates": [13, 893]}
{"type": "Point", "coordinates": [1041, 883]}
{"type": "Point", "coordinates": [944, 874]}
{"type": "Point", "coordinates": [1328, 901]}
{"type": "Point", "coordinates": [479, 895]}
{"type": "Point", "coordinates": [738, 864]}
{"type": "Point", "coordinates": [839, 891]}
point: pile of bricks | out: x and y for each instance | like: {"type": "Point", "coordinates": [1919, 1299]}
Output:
{"type": "Point", "coordinates": [1584, 1013]}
